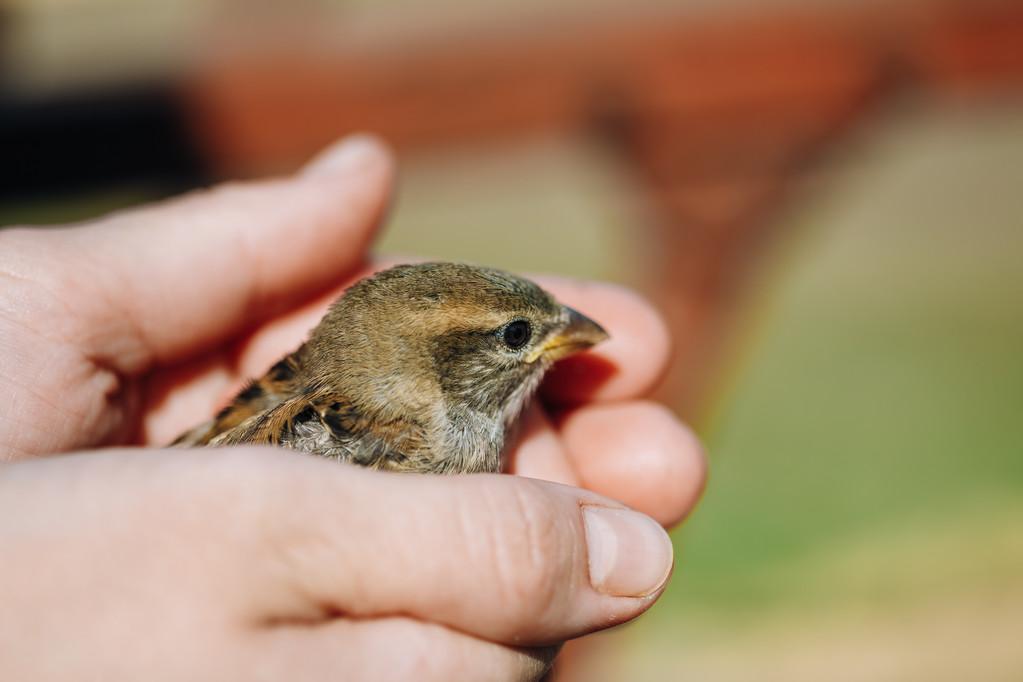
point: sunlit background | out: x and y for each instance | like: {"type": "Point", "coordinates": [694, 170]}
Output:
{"type": "Point", "coordinates": [824, 197]}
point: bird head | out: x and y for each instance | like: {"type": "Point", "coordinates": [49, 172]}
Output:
{"type": "Point", "coordinates": [446, 338]}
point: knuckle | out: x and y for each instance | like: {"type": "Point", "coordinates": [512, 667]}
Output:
{"type": "Point", "coordinates": [527, 550]}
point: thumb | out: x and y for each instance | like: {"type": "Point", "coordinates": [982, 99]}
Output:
{"type": "Point", "coordinates": [167, 280]}
{"type": "Point", "coordinates": [505, 558]}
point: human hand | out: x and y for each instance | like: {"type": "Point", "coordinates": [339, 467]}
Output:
{"type": "Point", "coordinates": [136, 326]}
{"type": "Point", "coordinates": [257, 564]}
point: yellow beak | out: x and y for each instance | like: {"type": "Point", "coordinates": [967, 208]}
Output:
{"type": "Point", "coordinates": [579, 334]}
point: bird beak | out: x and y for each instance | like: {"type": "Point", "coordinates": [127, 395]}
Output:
{"type": "Point", "coordinates": [579, 334]}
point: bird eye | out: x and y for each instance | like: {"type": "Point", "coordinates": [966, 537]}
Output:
{"type": "Point", "coordinates": [517, 334]}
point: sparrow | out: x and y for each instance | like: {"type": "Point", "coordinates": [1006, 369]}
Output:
{"type": "Point", "coordinates": [422, 368]}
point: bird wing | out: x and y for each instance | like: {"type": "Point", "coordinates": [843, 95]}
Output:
{"type": "Point", "coordinates": [328, 425]}
{"type": "Point", "coordinates": [278, 409]}
{"type": "Point", "coordinates": [277, 385]}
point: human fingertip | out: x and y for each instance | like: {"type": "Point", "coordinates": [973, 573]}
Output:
{"type": "Point", "coordinates": [637, 452]}
{"type": "Point", "coordinates": [631, 363]}
{"type": "Point", "coordinates": [629, 554]}
{"type": "Point", "coordinates": [349, 155]}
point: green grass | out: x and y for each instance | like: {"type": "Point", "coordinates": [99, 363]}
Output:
{"type": "Point", "coordinates": [867, 461]}
{"type": "Point", "coordinates": [841, 430]}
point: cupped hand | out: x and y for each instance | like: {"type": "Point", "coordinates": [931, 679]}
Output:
{"type": "Point", "coordinates": [136, 326]}
{"type": "Point", "coordinates": [131, 328]}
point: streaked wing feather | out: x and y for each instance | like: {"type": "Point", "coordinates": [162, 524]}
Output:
{"type": "Point", "coordinates": [319, 424]}
{"type": "Point", "coordinates": [277, 385]}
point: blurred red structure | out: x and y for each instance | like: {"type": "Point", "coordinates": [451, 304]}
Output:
{"type": "Point", "coordinates": [720, 119]}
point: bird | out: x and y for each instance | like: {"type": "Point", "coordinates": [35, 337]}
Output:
{"type": "Point", "coordinates": [418, 368]}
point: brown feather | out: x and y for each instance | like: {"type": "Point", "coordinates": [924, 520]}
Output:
{"type": "Point", "coordinates": [277, 385]}
{"type": "Point", "coordinates": [411, 370]}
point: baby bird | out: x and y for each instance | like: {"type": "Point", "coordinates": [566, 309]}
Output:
{"type": "Point", "coordinates": [418, 368]}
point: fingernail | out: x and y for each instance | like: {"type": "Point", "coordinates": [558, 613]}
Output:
{"type": "Point", "coordinates": [348, 155]}
{"type": "Point", "coordinates": [630, 555]}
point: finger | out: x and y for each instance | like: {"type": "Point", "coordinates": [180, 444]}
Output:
{"type": "Point", "coordinates": [182, 275]}
{"type": "Point", "coordinates": [637, 452]}
{"type": "Point", "coordinates": [628, 365]}
{"type": "Point", "coordinates": [394, 648]}
{"type": "Point", "coordinates": [539, 452]}
{"type": "Point", "coordinates": [505, 558]}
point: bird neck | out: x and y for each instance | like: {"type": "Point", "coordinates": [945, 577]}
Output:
{"type": "Point", "coordinates": [473, 441]}
{"type": "Point", "coordinates": [477, 431]}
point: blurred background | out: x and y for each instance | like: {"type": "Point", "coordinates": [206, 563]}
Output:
{"type": "Point", "coordinates": [824, 197]}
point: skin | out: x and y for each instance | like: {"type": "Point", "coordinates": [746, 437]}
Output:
{"type": "Point", "coordinates": [249, 563]}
